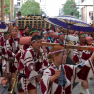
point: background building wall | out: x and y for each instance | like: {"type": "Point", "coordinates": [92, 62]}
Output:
{"type": "Point", "coordinates": [85, 11]}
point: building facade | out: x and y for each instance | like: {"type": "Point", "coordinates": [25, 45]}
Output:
{"type": "Point", "coordinates": [43, 5]}
{"type": "Point", "coordinates": [86, 11]}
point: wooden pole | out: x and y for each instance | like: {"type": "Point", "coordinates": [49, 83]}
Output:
{"type": "Point", "coordinates": [2, 10]}
{"type": "Point", "coordinates": [12, 9]}
{"type": "Point", "coordinates": [89, 48]}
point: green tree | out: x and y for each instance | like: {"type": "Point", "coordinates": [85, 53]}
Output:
{"type": "Point", "coordinates": [67, 9]}
{"type": "Point", "coordinates": [7, 4]}
{"type": "Point", "coordinates": [30, 7]}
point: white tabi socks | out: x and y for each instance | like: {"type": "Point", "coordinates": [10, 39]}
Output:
{"type": "Point", "coordinates": [87, 91]}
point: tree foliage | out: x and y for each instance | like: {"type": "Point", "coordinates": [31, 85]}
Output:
{"type": "Point", "coordinates": [7, 4]}
{"type": "Point", "coordinates": [67, 9]}
{"type": "Point", "coordinates": [30, 7]}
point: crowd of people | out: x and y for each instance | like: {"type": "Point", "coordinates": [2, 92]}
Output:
{"type": "Point", "coordinates": [43, 69]}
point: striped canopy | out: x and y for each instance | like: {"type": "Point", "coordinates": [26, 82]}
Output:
{"type": "Point", "coordinates": [76, 24]}
{"type": "Point", "coordinates": [3, 27]}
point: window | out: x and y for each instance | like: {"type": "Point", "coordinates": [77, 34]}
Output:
{"type": "Point", "coordinates": [18, 3]}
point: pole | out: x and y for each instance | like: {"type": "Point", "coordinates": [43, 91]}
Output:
{"type": "Point", "coordinates": [2, 10]}
{"type": "Point", "coordinates": [12, 9]}
{"type": "Point", "coordinates": [93, 11]}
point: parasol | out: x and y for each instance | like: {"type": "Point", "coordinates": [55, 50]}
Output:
{"type": "Point", "coordinates": [71, 22]}
{"type": "Point", "coordinates": [3, 27]}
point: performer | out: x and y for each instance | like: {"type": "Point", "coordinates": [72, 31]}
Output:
{"type": "Point", "coordinates": [12, 46]}
{"type": "Point", "coordinates": [58, 79]}
{"type": "Point", "coordinates": [80, 56]}
{"type": "Point", "coordinates": [89, 41]}
{"type": "Point", "coordinates": [44, 39]}
{"type": "Point", "coordinates": [31, 65]}
{"type": "Point", "coordinates": [57, 30]}
{"type": "Point", "coordinates": [22, 50]}
{"type": "Point", "coordinates": [1, 40]}
{"type": "Point", "coordinates": [61, 38]}
{"type": "Point", "coordinates": [50, 37]}
{"type": "Point", "coordinates": [18, 15]}
{"type": "Point", "coordinates": [33, 32]}
{"type": "Point", "coordinates": [1, 34]}
{"type": "Point", "coordinates": [26, 31]}
{"type": "Point", "coordinates": [3, 53]}
{"type": "Point", "coordinates": [44, 33]}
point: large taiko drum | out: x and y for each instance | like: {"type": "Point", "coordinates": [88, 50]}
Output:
{"type": "Point", "coordinates": [25, 41]}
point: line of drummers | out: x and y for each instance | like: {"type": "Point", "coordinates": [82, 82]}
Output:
{"type": "Point", "coordinates": [43, 69]}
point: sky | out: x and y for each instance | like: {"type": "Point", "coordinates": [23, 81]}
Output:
{"type": "Point", "coordinates": [53, 7]}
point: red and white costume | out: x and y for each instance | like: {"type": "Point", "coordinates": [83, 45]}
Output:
{"type": "Point", "coordinates": [31, 65]}
{"type": "Point", "coordinates": [1, 40]}
{"type": "Point", "coordinates": [1, 34]}
{"type": "Point", "coordinates": [24, 35]}
{"type": "Point", "coordinates": [2, 51]}
{"type": "Point", "coordinates": [80, 56]}
{"type": "Point", "coordinates": [72, 74]}
{"type": "Point", "coordinates": [19, 54]}
{"type": "Point", "coordinates": [4, 54]}
{"type": "Point", "coordinates": [12, 47]}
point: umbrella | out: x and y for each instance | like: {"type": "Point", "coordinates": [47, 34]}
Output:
{"type": "Point", "coordinates": [3, 27]}
{"type": "Point", "coordinates": [71, 21]}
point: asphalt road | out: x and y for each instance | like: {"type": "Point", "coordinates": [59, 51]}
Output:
{"type": "Point", "coordinates": [75, 90]}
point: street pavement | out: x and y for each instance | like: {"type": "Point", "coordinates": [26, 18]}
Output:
{"type": "Point", "coordinates": [75, 90]}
